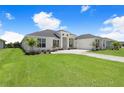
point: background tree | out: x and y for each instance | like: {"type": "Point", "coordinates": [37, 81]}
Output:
{"type": "Point", "coordinates": [9, 45]}
{"type": "Point", "coordinates": [13, 45]}
{"type": "Point", "coordinates": [17, 45]}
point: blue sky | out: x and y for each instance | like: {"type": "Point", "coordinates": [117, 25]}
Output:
{"type": "Point", "coordinates": [73, 18]}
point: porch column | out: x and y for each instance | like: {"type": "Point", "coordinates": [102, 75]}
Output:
{"type": "Point", "coordinates": [61, 40]}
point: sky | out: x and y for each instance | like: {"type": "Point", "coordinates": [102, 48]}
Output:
{"type": "Point", "coordinates": [105, 21]}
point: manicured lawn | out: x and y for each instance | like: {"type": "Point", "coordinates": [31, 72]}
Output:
{"type": "Point", "coordinates": [17, 69]}
{"type": "Point", "coordinates": [112, 52]}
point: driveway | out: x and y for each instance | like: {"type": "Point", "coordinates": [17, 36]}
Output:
{"type": "Point", "coordinates": [85, 52]}
{"type": "Point", "coordinates": [72, 51]}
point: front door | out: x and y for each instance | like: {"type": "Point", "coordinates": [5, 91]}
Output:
{"type": "Point", "coordinates": [71, 43]}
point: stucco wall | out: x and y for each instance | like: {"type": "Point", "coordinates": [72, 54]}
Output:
{"type": "Point", "coordinates": [103, 43]}
{"type": "Point", "coordinates": [49, 43]}
{"type": "Point", "coordinates": [84, 43]}
{"type": "Point", "coordinates": [67, 35]}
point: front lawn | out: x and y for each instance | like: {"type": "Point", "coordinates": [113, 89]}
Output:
{"type": "Point", "coordinates": [17, 69]}
{"type": "Point", "coordinates": [119, 52]}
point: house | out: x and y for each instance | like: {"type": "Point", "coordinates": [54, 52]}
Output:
{"type": "Point", "coordinates": [2, 43]}
{"type": "Point", "coordinates": [50, 40]}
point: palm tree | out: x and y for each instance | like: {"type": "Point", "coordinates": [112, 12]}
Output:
{"type": "Point", "coordinates": [31, 42]}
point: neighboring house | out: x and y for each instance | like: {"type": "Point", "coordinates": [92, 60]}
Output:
{"type": "Point", "coordinates": [49, 40]}
{"type": "Point", "coordinates": [2, 43]}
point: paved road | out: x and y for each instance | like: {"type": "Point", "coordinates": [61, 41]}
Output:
{"type": "Point", "coordinates": [84, 52]}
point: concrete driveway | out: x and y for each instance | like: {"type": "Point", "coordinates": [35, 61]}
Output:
{"type": "Point", "coordinates": [72, 51]}
{"type": "Point", "coordinates": [85, 52]}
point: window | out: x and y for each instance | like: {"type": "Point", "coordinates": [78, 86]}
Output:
{"type": "Point", "coordinates": [43, 42]}
{"type": "Point", "coordinates": [39, 42]}
{"type": "Point", "coordinates": [97, 40]}
{"type": "Point", "coordinates": [63, 34]}
{"type": "Point", "coordinates": [55, 43]}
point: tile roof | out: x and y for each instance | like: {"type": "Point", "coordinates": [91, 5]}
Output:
{"type": "Point", "coordinates": [84, 36]}
{"type": "Point", "coordinates": [46, 33]}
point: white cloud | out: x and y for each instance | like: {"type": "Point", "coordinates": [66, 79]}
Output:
{"type": "Point", "coordinates": [12, 37]}
{"type": "Point", "coordinates": [46, 20]}
{"type": "Point", "coordinates": [114, 28]}
{"type": "Point", "coordinates": [117, 23]}
{"type": "Point", "coordinates": [106, 29]}
{"type": "Point", "coordinates": [9, 16]}
{"type": "Point", "coordinates": [114, 36]}
{"type": "Point", "coordinates": [85, 8]}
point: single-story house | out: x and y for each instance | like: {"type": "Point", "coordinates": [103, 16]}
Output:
{"type": "Point", "coordinates": [2, 43]}
{"type": "Point", "coordinates": [49, 40]}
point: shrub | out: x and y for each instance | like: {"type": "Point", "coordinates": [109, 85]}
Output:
{"type": "Point", "coordinates": [116, 45]}
{"type": "Point", "coordinates": [31, 43]}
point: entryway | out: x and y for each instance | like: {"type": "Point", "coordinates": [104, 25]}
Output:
{"type": "Point", "coordinates": [65, 43]}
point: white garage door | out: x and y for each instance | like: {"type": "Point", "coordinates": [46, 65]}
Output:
{"type": "Point", "coordinates": [85, 43]}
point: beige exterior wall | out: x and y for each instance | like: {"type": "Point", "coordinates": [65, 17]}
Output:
{"type": "Point", "coordinates": [103, 43]}
{"type": "Point", "coordinates": [49, 43]}
{"type": "Point", "coordinates": [67, 35]}
{"type": "Point", "coordinates": [87, 43]}
{"type": "Point", "coordinates": [64, 34]}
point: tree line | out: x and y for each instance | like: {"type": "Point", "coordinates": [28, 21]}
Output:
{"type": "Point", "coordinates": [13, 45]}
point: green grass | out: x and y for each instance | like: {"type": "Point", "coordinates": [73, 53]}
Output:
{"type": "Point", "coordinates": [17, 69]}
{"type": "Point", "coordinates": [119, 52]}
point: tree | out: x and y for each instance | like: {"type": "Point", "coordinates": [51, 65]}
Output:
{"type": "Point", "coordinates": [9, 45]}
{"type": "Point", "coordinates": [16, 45]}
{"type": "Point", "coordinates": [31, 42]}
{"type": "Point", "coordinates": [116, 45]}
